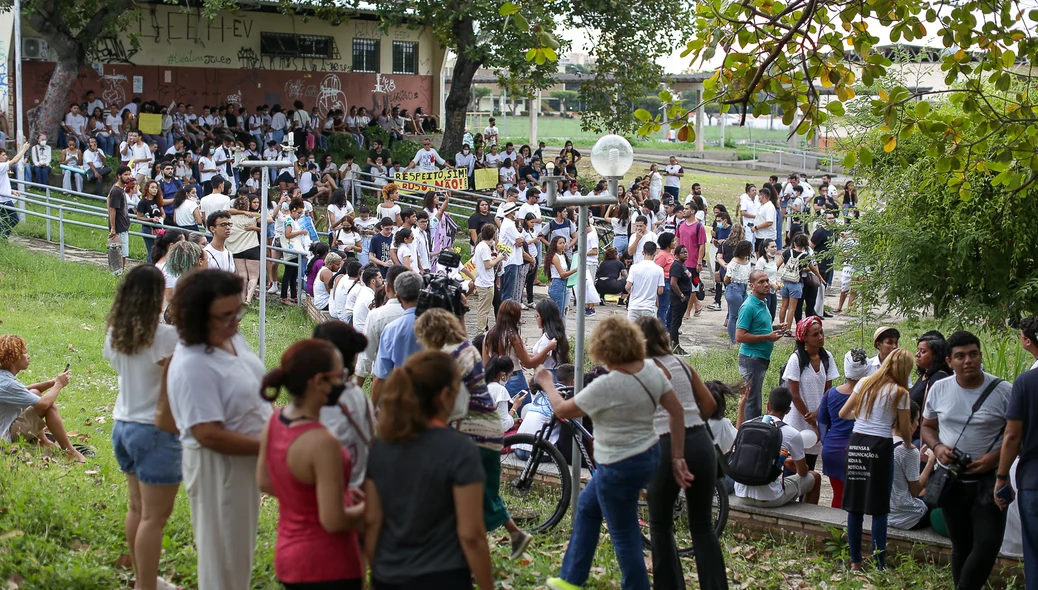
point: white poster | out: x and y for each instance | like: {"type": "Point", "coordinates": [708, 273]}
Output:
{"type": "Point", "coordinates": [138, 84]}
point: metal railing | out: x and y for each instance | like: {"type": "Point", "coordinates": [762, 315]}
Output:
{"type": "Point", "coordinates": [64, 207]}
{"type": "Point", "coordinates": [791, 155]}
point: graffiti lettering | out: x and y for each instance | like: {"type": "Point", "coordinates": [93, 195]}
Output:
{"type": "Point", "coordinates": [367, 30]}
{"type": "Point", "coordinates": [331, 95]}
{"type": "Point", "coordinates": [3, 76]}
{"type": "Point", "coordinates": [303, 64]}
{"type": "Point", "coordinates": [190, 58]}
{"type": "Point", "coordinates": [112, 92]}
{"type": "Point", "coordinates": [111, 50]}
{"type": "Point", "coordinates": [247, 59]}
{"type": "Point", "coordinates": [184, 25]}
{"type": "Point", "coordinates": [296, 89]}
{"type": "Point", "coordinates": [383, 85]}
{"type": "Point", "coordinates": [402, 95]}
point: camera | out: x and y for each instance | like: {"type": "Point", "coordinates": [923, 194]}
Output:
{"type": "Point", "coordinates": [441, 292]}
{"type": "Point", "coordinates": [959, 465]}
{"type": "Point", "coordinates": [449, 259]}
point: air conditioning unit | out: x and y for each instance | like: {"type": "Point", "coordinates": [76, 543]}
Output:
{"type": "Point", "coordinates": [34, 49]}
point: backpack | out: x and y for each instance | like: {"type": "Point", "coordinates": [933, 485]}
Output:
{"type": "Point", "coordinates": [756, 457]}
{"type": "Point", "coordinates": [791, 270]}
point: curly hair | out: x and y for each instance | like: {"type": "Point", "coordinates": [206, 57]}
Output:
{"type": "Point", "coordinates": [12, 348]}
{"type": "Point", "coordinates": [182, 257]}
{"type": "Point", "coordinates": [243, 203]}
{"type": "Point", "coordinates": [194, 294]}
{"type": "Point", "coordinates": [390, 189]}
{"type": "Point", "coordinates": [616, 341]}
{"type": "Point", "coordinates": [135, 312]}
{"type": "Point", "coordinates": [437, 328]}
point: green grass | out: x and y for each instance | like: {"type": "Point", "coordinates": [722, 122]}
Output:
{"type": "Point", "coordinates": [61, 524]}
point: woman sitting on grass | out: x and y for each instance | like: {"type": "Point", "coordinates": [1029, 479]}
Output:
{"type": "Point", "coordinates": [28, 412]}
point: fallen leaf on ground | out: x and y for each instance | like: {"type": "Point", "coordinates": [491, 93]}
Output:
{"type": "Point", "coordinates": [11, 535]}
{"type": "Point", "coordinates": [14, 582]}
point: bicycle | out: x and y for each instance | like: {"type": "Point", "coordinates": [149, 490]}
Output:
{"type": "Point", "coordinates": [536, 489]}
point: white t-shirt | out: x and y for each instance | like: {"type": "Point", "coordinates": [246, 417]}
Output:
{"type": "Point", "coordinates": [542, 343]}
{"type": "Point", "coordinates": [352, 294]}
{"type": "Point", "coordinates": [140, 375]}
{"type": "Point", "coordinates": [212, 203]}
{"type": "Point", "coordinates": [724, 433]}
{"type": "Point", "coordinates": [674, 181]}
{"type": "Point", "coordinates": [622, 407]}
{"type": "Point", "coordinates": [206, 163]}
{"type": "Point", "coordinates": [337, 303]}
{"type": "Point", "coordinates": [501, 209]}
{"type": "Point", "coordinates": [221, 259]}
{"type": "Point", "coordinates": [793, 444]}
{"type": "Point", "coordinates": [765, 213]}
{"type": "Point", "coordinates": [536, 210]}
{"type": "Point", "coordinates": [426, 159]}
{"type": "Point", "coordinates": [749, 206]}
{"type": "Point", "coordinates": [212, 385]}
{"type": "Point", "coordinates": [184, 215]}
{"type": "Point", "coordinates": [361, 307]}
{"type": "Point", "coordinates": [508, 235]}
{"type": "Point", "coordinates": [492, 160]}
{"type": "Point", "coordinates": [645, 278]}
{"type": "Point", "coordinates": [484, 275]}
{"type": "Point", "coordinates": [639, 253]}
{"type": "Point", "coordinates": [406, 251]}
{"type": "Point", "coordinates": [883, 416]}
{"type": "Point", "coordinates": [354, 402]}
{"type": "Point", "coordinates": [592, 244]}
{"type": "Point", "coordinates": [906, 510]}
{"type": "Point", "coordinates": [490, 135]}
{"type": "Point", "coordinates": [812, 386]}
{"type": "Point", "coordinates": [502, 401]}
{"type": "Point", "coordinates": [507, 176]}
{"type": "Point", "coordinates": [390, 212]}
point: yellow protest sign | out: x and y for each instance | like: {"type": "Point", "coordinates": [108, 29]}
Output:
{"type": "Point", "coordinates": [150, 124]}
{"type": "Point", "coordinates": [486, 179]}
{"type": "Point", "coordinates": [455, 179]}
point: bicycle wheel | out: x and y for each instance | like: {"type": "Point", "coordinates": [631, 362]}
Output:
{"type": "Point", "coordinates": [535, 490]}
{"type": "Point", "coordinates": [682, 534]}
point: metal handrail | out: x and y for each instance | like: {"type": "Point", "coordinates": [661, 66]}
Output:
{"type": "Point", "coordinates": [794, 151]}
{"type": "Point", "coordinates": [65, 206]}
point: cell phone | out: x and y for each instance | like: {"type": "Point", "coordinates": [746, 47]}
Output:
{"type": "Point", "coordinates": [1005, 493]}
{"type": "Point", "coordinates": [67, 367]}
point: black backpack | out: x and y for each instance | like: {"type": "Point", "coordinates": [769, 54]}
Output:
{"type": "Point", "coordinates": [756, 457]}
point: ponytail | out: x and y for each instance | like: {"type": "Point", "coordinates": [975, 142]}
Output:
{"type": "Point", "coordinates": [411, 394]}
{"type": "Point", "coordinates": [299, 363]}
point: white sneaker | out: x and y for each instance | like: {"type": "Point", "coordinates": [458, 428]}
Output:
{"type": "Point", "coordinates": [273, 289]}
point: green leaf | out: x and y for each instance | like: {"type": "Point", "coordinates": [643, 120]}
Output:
{"type": "Point", "coordinates": [835, 107]}
{"type": "Point", "coordinates": [642, 115]}
{"type": "Point", "coordinates": [550, 54]}
{"type": "Point", "coordinates": [865, 155]}
{"type": "Point", "coordinates": [521, 23]}
{"type": "Point", "coordinates": [666, 96]}
{"type": "Point", "coordinates": [922, 108]}
{"type": "Point", "coordinates": [850, 159]}
{"type": "Point", "coordinates": [1008, 58]}
{"type": "Point", "coordinates": [944, 165]}
{"type": "Point", "coordinates": [508, 8]}
{"type": "Point", "coordinates": [531, 54]}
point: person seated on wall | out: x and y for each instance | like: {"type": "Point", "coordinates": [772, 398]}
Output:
{"type": "Point", "coordinates": [29, 412]}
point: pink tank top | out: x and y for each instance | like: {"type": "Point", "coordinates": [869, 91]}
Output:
{"type": "Point", "coordinates": [305, 552]}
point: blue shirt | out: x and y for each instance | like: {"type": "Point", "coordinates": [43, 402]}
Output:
{"type": "Point", "coordinates": [835, 433]}
{"type": "Point", "coordinates": [14, 398]}
{"type": "Point", "coordinates": [755, 318]}
{"type": "Point", "coordinates": [169, 192]}
{"type": "Point", "coordinates": [397, 343]}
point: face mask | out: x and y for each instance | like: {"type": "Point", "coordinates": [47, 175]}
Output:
{"type": "Point", "coordinates": [212, 151]}
{"type": "Point", "coordinates": [284, 206]}
{"type": "Point", "coordinates": [334, 393]}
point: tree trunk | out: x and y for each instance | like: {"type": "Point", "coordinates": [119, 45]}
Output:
{"type": "Point", "coordinates": [55, 101]}
{"type": "Point", "coordinates": [457, 103]}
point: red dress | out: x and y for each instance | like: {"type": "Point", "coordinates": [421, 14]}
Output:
{"type": "Point", "coordinates": [305, 552]}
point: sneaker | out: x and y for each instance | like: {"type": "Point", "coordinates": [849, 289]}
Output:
{"type": "Point", "coordinates": [677, 350]}
{"type": "Point", "coordinates": [593, 311]}
{"type": "Point", "coordinates": [519, 544]}
{"type": "Point", "coordinates": [588, 311]}
{"type": "Point", "coordinates": [714, 307]}
{"type": "Point", "coordinates": [560, 584]}
{"type": "Point", "coordinates": [273, 289]}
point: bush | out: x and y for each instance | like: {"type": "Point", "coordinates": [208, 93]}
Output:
{"type": "Point", "coordinates": [404, 151]}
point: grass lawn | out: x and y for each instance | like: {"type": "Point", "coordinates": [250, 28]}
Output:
{"type": "Point", "coordinates": [61, 524]}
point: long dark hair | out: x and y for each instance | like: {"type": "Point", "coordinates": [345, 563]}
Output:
{"type": "Point", "coordinates": [319, 251]}
{"type": "Point", "coordinates": [299, 363]}
{"type": "Point", "coordinates": [554, 327]}
{"type": "Point", "coordinates": [164, 240]}
{"type": "Point", "coordinates": [135, 311]}
{"type": "Point", "coordinates": [500, 337]}
{"type": "Point", "coordinates": [549, 255]}
{"type": "Point", "coordinates": [338, 198]}
{"type": "Point", "coordinates": [804, 357]}
{"type": "Point", "coordinates": [181, 196]}
{"type": "Point", "coordinates": [940, 351]}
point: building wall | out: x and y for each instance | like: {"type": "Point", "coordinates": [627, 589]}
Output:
{"type": "Point", "coordinates": [186, 58]}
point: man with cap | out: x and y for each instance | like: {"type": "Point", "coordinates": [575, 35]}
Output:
{"type": "Point", "coordinates": [885, 339]}
{"type": "Point", "coordinates": [511, 243]}
{"type": "Point", "coordinates": [511, 198]}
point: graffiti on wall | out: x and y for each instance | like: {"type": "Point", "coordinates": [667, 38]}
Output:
{"type": "Point", "coordinates": [3, 76]}
{"type": "Point", "coordinates": [112, 50]}
{"type": "Point", "coordinates": [186, 26]}
{"type": "Point", "coordinates": [112, 92]}
{"type": "Point", "coordinates": [331, 96]}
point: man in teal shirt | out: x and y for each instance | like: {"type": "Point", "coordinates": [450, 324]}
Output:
{"type": "Point", "coordinates": [757, 339]}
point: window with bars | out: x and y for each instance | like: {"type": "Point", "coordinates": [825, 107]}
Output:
{"type": "Point", "coordinates": [405, 57]}
{"type": "Point", "coordinates": [365, 55]}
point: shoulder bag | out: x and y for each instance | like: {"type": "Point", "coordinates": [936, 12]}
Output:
{"type": "Point", "coordinates": [722, 462]}
{"type": "Point", "coordinates": [941, 478]}
{"type": "Point", "coordinates": [163, 415]}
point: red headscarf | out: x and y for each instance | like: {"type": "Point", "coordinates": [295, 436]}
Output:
{"type": "Point", "coordinates": [804, 325]}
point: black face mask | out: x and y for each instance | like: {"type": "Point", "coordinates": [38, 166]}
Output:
{"type": "Point", "coordinates": [334, 393]}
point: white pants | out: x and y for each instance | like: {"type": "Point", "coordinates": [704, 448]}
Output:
{"type": "Point", "coordinates": [66, 181]}
{"type": "Point", "coordinates": [224, 516]}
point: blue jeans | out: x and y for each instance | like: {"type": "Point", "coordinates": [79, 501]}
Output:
{"type": "Point", "coordinates": [621, 243]}
{"type": "Point", "coordinates": [509, 274]}
{"type": "Point", "coordinates": [559, 293]}
{"type": "Point", "coordinates": [772, 302]}
{"type": "Point", "coordinates": [612, 493]}
{"type": "Point", "coordinates": [517, 383]}
{"type": "Point", "coordinates": [734, 294]}
{"type": "Point", "coordinates": [1027, 502]}
{"type": "Point", "coordinates": [752, 369]}
{"type": "Point", "coordinates": [663, 306]}
{"type": "Point", "coordinates": [778, 225]}
{"type": "Point", "coordinates": [41, 174]}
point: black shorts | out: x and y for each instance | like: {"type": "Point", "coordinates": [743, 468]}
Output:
{"type": "Point", "coordinates": [286, 178]}
{"type": "Point", "coordinates": [250, 254]}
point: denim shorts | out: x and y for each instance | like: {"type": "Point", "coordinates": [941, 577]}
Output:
{"type": "Point", "coordinates": [794, 290]}
{"type": "Point", "coordinates": [151, 454]}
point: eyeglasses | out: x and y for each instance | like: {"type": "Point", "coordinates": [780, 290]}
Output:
{"type": "Point", "coordinates": [231, 317]}
{"type": "Point", "coordinates": [226, 224]}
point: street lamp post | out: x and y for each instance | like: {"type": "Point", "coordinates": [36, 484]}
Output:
{"type": "Point", "coordinates": [289, 148]}
{"type": "Point", "coordinates": [611, 157]}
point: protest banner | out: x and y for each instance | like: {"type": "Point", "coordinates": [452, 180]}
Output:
{"type": "Point", "coordinates": [448, 179]}
{"type": "Point", "coordinates": [150, 123]}
{"type": "Point", "coordinates": [486, 179]}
